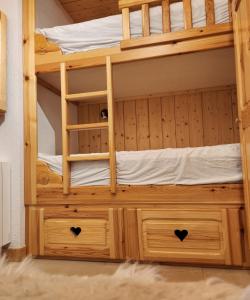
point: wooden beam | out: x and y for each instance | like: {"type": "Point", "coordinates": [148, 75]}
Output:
{"type": "Point", "coordinates": [30, 102]}
{"type": "Point", "coordinates": [48, 86]}
{"type": "Point", "coordinates": [50, 62]}
{"type": "Point", "coordinates": [176, 36]}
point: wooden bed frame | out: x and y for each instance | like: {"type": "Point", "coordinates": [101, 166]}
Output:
{"type": "Point", "coordinates": [133, 222]}
{"type": "Point", "coordinates": [213, 36]}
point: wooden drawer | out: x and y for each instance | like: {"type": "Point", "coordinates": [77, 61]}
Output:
{"type": "Point", "coordinates": [184, 235]}
{"type": "Point", "coordinates": [77, 232]}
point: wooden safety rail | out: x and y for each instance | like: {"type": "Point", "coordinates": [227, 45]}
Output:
{"type": "Point", "coordinates": [189, 32]}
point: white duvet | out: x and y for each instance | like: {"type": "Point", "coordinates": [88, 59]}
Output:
{"type": "Point", "coordinates": [107, 32]}
{"type": "Point", "coordinates": [186, 166]}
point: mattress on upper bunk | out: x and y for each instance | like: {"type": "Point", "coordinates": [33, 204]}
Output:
{"type": "Point", "coordinates": [183, 166]}
{"type": "Point", "coordinates": [107, 32]}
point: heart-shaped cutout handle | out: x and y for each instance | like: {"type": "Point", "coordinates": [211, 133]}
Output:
{"type": "Point", "coordinates": [76, 230]}
{"type": "Point", "coordinates": [181, 234]}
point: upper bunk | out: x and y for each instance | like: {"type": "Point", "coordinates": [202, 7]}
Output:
{"type": "Point", "coordinates": [145, 29]}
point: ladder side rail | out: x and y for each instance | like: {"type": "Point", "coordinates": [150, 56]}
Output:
{"type": "Point", "coordinates": [65, 132]}
{"type": "Point", "coordinates": [112, 150]}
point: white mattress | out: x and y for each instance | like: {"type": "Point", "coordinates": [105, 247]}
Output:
{"type": "Point", "coordinates": [185, 166]}
{"type": "Point", "coordinates": [107, 32]}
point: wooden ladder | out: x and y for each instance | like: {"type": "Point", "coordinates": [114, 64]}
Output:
{"type": "Point", "coordinates": [66, 128]}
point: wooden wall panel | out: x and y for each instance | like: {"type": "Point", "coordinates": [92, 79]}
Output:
{"type": "Point", "coordinates": [155, 123]}
{"type": "Point", "coordinates": [130, 125]}
{"type": "Point", "coordinates": [210, 119]}
{"type": "Point", "coordinates": [195, 117]}
{"type": "Point", "coordinates": [83, 118]}
{"type": "Point", "coordinates": [143, 142]}
{"type": "Point", "coordinates": [189, 119]}
{"type": "Point", "coordinates": [168, 122]}
{"type": "Point", "coordinates": [119, 126]}
{"type": "Point", "coordinates": [181, 120]}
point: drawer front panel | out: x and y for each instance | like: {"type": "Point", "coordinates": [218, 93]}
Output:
{"type": "Point", "coordinates": [174, 235]}
{"type": "Point", "coordinates": [88, 232]}
{"type": "Point", "coordinates": [78, 233]}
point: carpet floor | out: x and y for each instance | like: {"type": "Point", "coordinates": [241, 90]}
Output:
{"type": "Point", "coordinates": [129, 282]}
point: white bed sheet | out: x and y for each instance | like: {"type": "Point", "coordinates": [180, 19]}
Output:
{"type": "Point", "coordinates": [107, 32]}
{"type": "Point", "coordinates": [184, 166]}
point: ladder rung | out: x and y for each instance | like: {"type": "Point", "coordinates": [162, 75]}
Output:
{"type": "Point", "coordinates": [86, 96]}
{"type": "Point", "coordinates": [88, 126]}
{"type": "Point", "coordinates": [83, 157]}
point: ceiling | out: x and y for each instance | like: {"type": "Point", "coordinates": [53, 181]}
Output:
{"type": "Point", "coordinates": [84, 10]}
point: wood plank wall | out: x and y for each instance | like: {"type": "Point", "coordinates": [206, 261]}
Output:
{"type": "Point", "coordinates": [188, 119]}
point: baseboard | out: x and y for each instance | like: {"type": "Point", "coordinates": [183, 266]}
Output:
{"type": "Point", "coordinates": [15, 255]}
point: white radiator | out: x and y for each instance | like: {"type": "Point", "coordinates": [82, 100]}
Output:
{"type": "Point", "coordinates": [5, 200]}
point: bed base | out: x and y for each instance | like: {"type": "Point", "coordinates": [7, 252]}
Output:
{"type": "Point", "coordinates": [213, 36]}
{"type": "Point", "coordinates": [138, 223]}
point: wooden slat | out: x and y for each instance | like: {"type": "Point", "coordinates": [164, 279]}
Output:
{"type": "Point", "coordinates": [166, 21]}
{"type": "Point", "coordinates": [210, 12]}
{"type": "Point", "coordinates": [83, 137]}
{"type": "Point", "coordinates": [210, 119]}
{"type": "Point", "coordinates": [230, 10]}
{"type": "Point", "coordinates": [168, 122]}
{"type": "Point", "coordinates": [187, 14]}
{"type": "Point", "coordinates": [142, 120]}
{"type": "Point", "coordinates": [65, 134]}
{"type": "Point", "coordinates": [182, 121]}
{"type": "Point", "coordinates": [125, 23]}
{"type": "Point", "coordinates": [235, 117]}
{"type": "Point", "coordinates": [119, 127]}
{"type": "Point", "coordinates": [85, 96]}
{"type": "Point", "coordinates": [195, 120]}
{"type": "Point", "coordinates": [145, 20]}
{"type": "Point", "coordinates": [130, 126]}
{"type": "Point", "coordinates": [94, 135]}
{"type": "Point", "coordinates": [87, 126]}
{"type": "Point", "coordinates": [111, 122]}
{"type": "Point", "coordinates": [225, 117]}
{"type": "Point", "coordinates": [155, 124]}
{"type": "Point", "coordinates": [89, 157]}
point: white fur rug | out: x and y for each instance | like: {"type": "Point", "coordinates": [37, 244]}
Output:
{"type": "Point", "coordinates": [129, 282]}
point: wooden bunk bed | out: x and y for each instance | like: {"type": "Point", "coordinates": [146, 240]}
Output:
{"type": "Point", "coordinates": [190, 224]}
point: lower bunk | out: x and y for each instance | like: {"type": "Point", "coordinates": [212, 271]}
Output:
{"type": "Point", "coordinates": [198, 224]}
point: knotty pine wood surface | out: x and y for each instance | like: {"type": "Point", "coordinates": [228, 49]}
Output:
{"type": "Point", "coordinates": [188, 119]}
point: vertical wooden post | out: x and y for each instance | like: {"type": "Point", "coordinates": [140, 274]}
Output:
{"type": "Point", "coordinates": [187, 14]}
{"type": "Point", "coordinates": [210, 13]}
{"type": "Point", "coordinates": [145, 20]}
{"type": "Point", "coordinates": [112, 152]}
{"type": "Point", "coordinates": [166, 24]}
{"type": "Point", "coordinates": [65, 133]}
{"type": "Point", "coordinates": [30, 102]}
{"type": "Point", "coordinates": [125, 23]}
